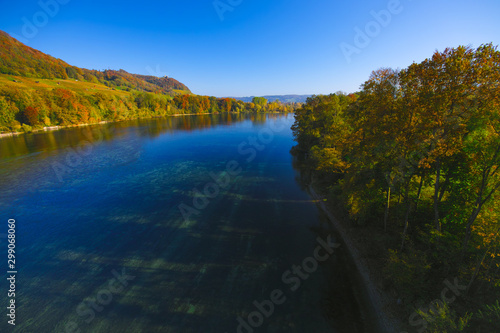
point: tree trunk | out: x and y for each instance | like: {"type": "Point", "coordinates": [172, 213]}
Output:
{"type": "Point", "coordinates": [468, 228]}
{"type": "Point", "coordinates": [437, 225]}
{"type": "Point", "coordinates": [476, 272]}
{"type": "Point", "coordinates": [419, 191]}
{"type": "Point", "coordinates": [479, 205]}
{"type": "Point", "coordinates": [492, 262]}
{"type": "Point", "coordinates": [407, 217]}
{"type": "Point", "coordinates": [387, 205]}
{"type": "Point", "coordinates": [444, 187]}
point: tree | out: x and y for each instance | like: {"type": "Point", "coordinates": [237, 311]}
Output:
{"type": "Point", "coordinates": [30, 116]}
{"type": "Point", "coordinates": [483, 143]}
{"type": "Point", "coordinates": [259, 101]}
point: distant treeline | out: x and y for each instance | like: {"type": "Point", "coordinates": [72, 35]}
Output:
{"type": "Point", "coordinates": [416, 156]}
{"type": "Point", "coordinates": [282, 98]}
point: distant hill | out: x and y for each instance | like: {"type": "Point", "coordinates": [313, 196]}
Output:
{"type": "Point", "coordinates": [20, 60]}
{"type": "Point", "coordinates": [282, 98]}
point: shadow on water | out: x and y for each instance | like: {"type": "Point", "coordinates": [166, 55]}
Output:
{"type": "Point", "coordinates": [346, 302]}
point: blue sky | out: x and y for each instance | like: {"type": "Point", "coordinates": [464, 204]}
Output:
{"type": "Point", "coordinates": [258, 47]}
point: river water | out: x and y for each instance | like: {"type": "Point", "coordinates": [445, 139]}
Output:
{"type": "Point", "coordinates": [180, 224]}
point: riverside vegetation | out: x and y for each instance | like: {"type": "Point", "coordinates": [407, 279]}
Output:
{"type": "Point", "coordinates": [412, 161]}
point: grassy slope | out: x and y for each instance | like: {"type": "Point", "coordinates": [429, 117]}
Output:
{"type": "Point", "coordinates": [70, 84]}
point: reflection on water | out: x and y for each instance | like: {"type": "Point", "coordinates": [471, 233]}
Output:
{"type": "Point", "coordinates": [51, 140]}
{"type": "Point", "coordinates": [103, 246]}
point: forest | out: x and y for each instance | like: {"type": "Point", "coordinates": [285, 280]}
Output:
{"type": "Point", "coordinates": [414, 159]}
{"type": "Point", "coordinates": [27, 105]}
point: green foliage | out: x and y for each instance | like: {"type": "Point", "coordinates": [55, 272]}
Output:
{"type": "Point", "coordinates": [259, 101]}
{"type": "Point", "coordinates": [38, 104]}
{"type": "Point", "coordinates": [442, 319]}
{"type": "Point", "coordinates": [71, 72]}
{"type": "Point", "coordinates": [489, 316]}
{"type": "Point", "coordinates": [27, 128]}
{"type": "Point", "coordinates": [408, 272]}
{"type": "Point", "coordinates": [7, 113]}
{"type": "Point", "coordinates": [417, 153]}
{"type": "Point", "coordinates": [204, 104]}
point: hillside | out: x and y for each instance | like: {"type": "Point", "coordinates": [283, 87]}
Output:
{"type": "Point", "coordinates": [281, 98]}
{"type": "Point", "coordinates": [20, 60]}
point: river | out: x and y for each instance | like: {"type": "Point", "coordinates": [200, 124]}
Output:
{"type": "Point", "coordinates": [179, 224]}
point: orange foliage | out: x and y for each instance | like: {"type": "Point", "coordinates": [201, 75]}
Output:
{"type": "Point", "coordinates": [30, 115]}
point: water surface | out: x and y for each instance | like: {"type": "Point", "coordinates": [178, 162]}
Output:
{"type": "Point", "coordinates": [139, 200]}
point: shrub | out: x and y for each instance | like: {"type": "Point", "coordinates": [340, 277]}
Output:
{"type": "Point", "coordinates": [30, 116]}
{"type": "Point", "coordinates": [489, 317]}
{"type": "Point", "coordinates": [408, 272]}
{"type": "Point", "coordinates": [27, 128]}
{"type": "Point", "coordinates": [442, 319]}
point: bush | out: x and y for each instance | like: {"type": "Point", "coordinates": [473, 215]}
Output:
{"type": "Point", "coordinates": [488, 318]}
{"type": "Point", "coordinates": [7, 114]}
{"type": "Point", "coordinates": [442, 319]}
{"type": "Point", "coordinates": [30, 116]}
{"type": "Point", "coordinates": [27, 128]}
{"type": "Point", "coordinates": [408, 272]}
{"type": "Point", "coordinates": [16, 126]}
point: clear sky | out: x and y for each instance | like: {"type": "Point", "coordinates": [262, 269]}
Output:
{"type": "Point", "coordinates": [251, 47]}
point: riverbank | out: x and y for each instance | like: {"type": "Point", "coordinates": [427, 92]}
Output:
{"type": "Point", "coordinates": [383, 306]}
{"type": "Point", "coordinates": [55, 128]}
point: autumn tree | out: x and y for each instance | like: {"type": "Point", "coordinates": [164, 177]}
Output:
{"type": "Point", "coordinates": [30, 116]}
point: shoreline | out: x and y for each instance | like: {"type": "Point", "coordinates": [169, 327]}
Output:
{"type": "Point", "coordinates": [379, 303]}
{"type": "Point", "coordinates": [54, 128]}
{"type": "Point", "coordinates": [58, 127]}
